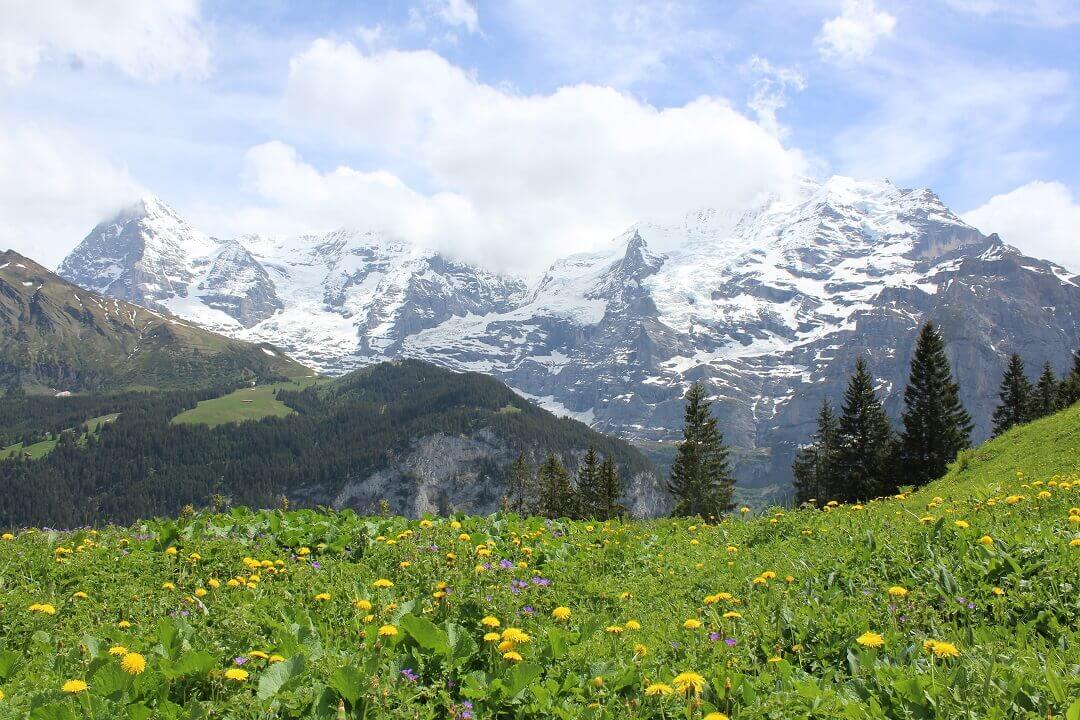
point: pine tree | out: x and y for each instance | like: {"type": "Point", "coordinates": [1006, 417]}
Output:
{"type": "Point", "coordinates": [1015, 393]}
{"type": "Point", "coordinates": [557, 497]}
{"type": "Point", "coordinates": [816, 464]}
{"type": "Point", "coordinates": [610, 490]}
{"type": "Point", "coordinates": [589, 492]}
{"type": "Point", "coordinates": [520, 494]}
{"type": "Point", "coordinates": [701, 480]}
{"type": "Point", "coordinates": [1045, 399]}
{"type": "Point", "coordinates": [866, 442]}
{"type": "Point", "coordinates": [936, 426]}
{"type": "Point", "coordinates": [1069, 391]}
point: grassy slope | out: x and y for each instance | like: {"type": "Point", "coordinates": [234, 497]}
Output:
{"type": "Point", "coordinates": [39, 450]}
{"type": "Point", "coordinates": [253, 403]}
{"type": "Point", "coordinates": [1009, 606]}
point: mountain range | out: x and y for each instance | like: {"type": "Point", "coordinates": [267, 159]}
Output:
{"type": "Point", "coordinates": [769, 307]}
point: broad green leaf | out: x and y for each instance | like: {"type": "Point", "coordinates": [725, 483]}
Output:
{"type": "Point", "coordinates": [279, 675]}
{"type": "Point", "coordinates": [426, 635]}
{"type": "Point", "coordinates": [349, 682]}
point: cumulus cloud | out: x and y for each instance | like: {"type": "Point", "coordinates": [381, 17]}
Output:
{"type": "Point", "coordinates": [53, 188]}
{"type": "Point", "coordinates": [512, 180]}
{"type": "Point", "coordinates": [146, 40]}
{"type": "Point", "coordinates": [852, 35]}
{"type": "Point", "coordinates": [1040, 218]}
{"type": "Point", "coordinates": [458, 13]}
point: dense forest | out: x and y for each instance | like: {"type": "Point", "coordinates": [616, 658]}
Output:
{"type": "Point", "coordinates": [143, 465]}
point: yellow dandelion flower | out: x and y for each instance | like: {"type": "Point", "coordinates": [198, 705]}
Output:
{"type": "Point", "coordinates": [516, 635]}
{"type": "Point", "coordinates": [659, 689]}
{"type": "Point", "coordinates": [388, 631]}
{"type": "Point", "coordinates": [118, 650]}
{"type": "Point", "coordinates": [715, 716]}
{"type": "Point", "coordinates": [276, 659]}
{"type": "Point", "coordinates": [322, 597]}
{"type": "Point", "coordinates": [641, 650]}
{"type": "Point", "coordinates": [870, 639]}
{"type": "Point", "coordinates": [362, 605]}
{"type": "Point", "coordinates": [898, 592]}
{"type": "Point", "coordinates": [561, 613]}
{"type": "Point", "coordinates": [133, 664]}
{"type": "Point", "coordinates": [200, 592]}
{"type": "Point", "coordinates": [689, 683]}
{"type": "Point", "coordinates": [123, 624]}
{"type": "Point", "coordinates": [80, 595]}
{"type": "Point", "coordinates": [490, 621]}
{"type": "Point", "coordinates": [732, 615]}
{"type": "Point", "coordinates": [632, 625]}
{"type": "Point", "coordinates": [691, 624]}
{"type": "Point", "coordinates": [512, 656]}
{"type": "Point", "coordinates": [74, 687]}
{"type": "Point", "coordinates": [382, 584]}
{"type": "Point", "coordinates": [258, 654]}
{"type": "Point", "coordinates": [236, 675]}
{"type": "Point", "coordinates": [998, 591]}
{"type": "Point", "coordinates": [170, 551]}
{"type": "Point", "coordinates": [986, 540]}
{"type": "Point", "coordinates": [492, 637]}
{"type": "Point", "coordinates": [614, 629]}
{"type": "Point", "coordinates": [962, 524]}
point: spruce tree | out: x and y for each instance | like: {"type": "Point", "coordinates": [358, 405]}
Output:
{"type": "Point", "coordinates": [520, 496]}
{"type": "Point", "coordinates": [701, 481]}
{"type": "Point", "coordinates": [866, 442]}
{"type": "Point", "coordinates": [816, 464]}
{"type": "Point", "coordinates": [1015, 393]}
{"type": "Point", "coordinates": [557, 497]}
{"type": "Point", "coordinates": [589, 492]}
{"type": "Point", "coordinates": [1045, 399]}
{"type": "Point", "coordinates": [936, 426]}
{"type": "Point", "coordinates": [1069, 391]}
{"type": "Point", "coordinates": [610, 490]}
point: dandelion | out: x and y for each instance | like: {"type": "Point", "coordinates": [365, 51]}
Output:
{"type": "Point", "coordinates": [388, 631]}
{"type": "Point", "coordinates": [133, 664]}
{"type": "Point", "coordinates": [168, 586]}
{"type": "Point", "coordinates": [170, 551]}
{"type": "Point", "coordinates": [640, 650]}
{"type": "Point", "coordinates": [382, 584]}
{"type": "Point", "coordinates": [43, 608]}
{"type": "Point", "coordinates": [492, 637]}
{"type": "Point", "coordinates": [118, 651]}
{"type": "Point", "coordinates": [692, 624]}
{"type": "Point", "coordinates": [80, 595]}
{"type": "Point", "coordinates": [322, 597]}
{"type": "Point", "coordinates": [689, 683]}
{"type": "Point", "coordinates": [871, 640]}
{"type": "Point", "coordinates": [962, 524]}
{"type": "Point", "coordinates": [275, 659]}
{"type": "Point", "coordinates": [941, 649]}
{"type": "Point", "coordinates": [732, 615]}
{"type": "Point", "coordinates": [236, 675]}
{"type": "Point", "coordinates": [490, 622]}
{"type": "Point", "coordinates": [986, 540]}
{"type": "Point", "coordinates": [123, 624]}
{"type": "Point", "coordinates": [632, 625]}
{"type": "Point", "coordinates": [898, 592]}
{"type": "Point", "coordinates": [561, 613]}
{"type": "Point", "coordinates": [74, 687]}
{"type": "Point", "coordinates": [715, 716]}
{"type": "Point", "coordinates": [8, 536]}
{"type": "Point", "coordinates": [512, 656]}
{"type": "Point", "coordinates": [659, 689]}
{"type": "Point", "coordinates": [516, 635]}
{"type": "Point", "coordinates": [998, 591]}
{"type": "Point", "coordinates": [614, 629]}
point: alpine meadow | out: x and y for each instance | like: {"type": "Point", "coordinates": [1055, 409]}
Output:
{"type": "Point", "coordinates": [479, 360]}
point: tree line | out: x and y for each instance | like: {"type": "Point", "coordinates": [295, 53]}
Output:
{"type": "Point", "coordinates": [858, 455]}
{"type": "Point", "coordinates": [549, 491]}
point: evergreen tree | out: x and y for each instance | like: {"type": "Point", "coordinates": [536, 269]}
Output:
{"type": "Point", "coordinates": [936, 426]}
{"type": "Point", "coordinates": [1069, 391]}
{"type": "Point", "coordinates": [557, 498]}
{"type": "Point", "coordinates": [521, 497]}
{"type": "Point", "coordinates": [701, 480]}
{"type": "Point", "coordinates": [1015, 393]}
{"type": "Point", "coordinates": [816, 464]}
{"type": "Point", "coordinates": [610, 490]}
{"type": "Point", "coordinates": [866, 442]}
{"type": "Point", "coordinates": [1045, 399]}
{"type": "Point", "coordinates": [589, 493]}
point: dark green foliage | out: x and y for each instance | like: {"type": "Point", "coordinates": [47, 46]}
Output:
{"type": "Point", "coordinates": [521, 493]}
{"type": "Point", "coordinates": [1044, 400]}
{"type": "Point", "coordinates": [609, 507]}
{"type": "Point", "coordinates": [936, 426]}
{"type": "Point", "coordinates": [867, 444]}
{"type": "Point", "coordinates": [141, 465]}
{"type": "Point", "coordinates": [598, 488]}
{"type": "Point", "coordinates": [1069, 390]}
{"type": "Point", "coordinates": [816, 464]}
{"type": "Point", "coordinates": [557, 497]}
{"type": "Point", "coordinates": [1016, 397]}
{"type": "Point", "coordinates": [701, 481]}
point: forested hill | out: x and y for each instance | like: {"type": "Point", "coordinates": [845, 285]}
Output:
{"type": "Point", "coordinates": [406, 435]}
{"type": "Point", "coordinates": [56, 336]}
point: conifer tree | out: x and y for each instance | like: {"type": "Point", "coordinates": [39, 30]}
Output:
{"type": "Point", "coordinates": [610, 490]}
{"type": "Point", "coordinates": [1069, 392]}
{"type": "Point", "coordinates": [1045, 399]}
{"type": "Point", "coordinates": [521, 497]}
{"type": "Point", "coordinates": [866, 442]}
{"type": "Point", "coordinates": [701, 481]}
{"type": "Point", "coordinates": [1015, 393]}
{"type": "Point", "coordinates": [816, 464]}
{"type": "Point", "coordinates": [936, 426]}
{"type": "Point", "coordinates": [557, 497]}
{"type": "Point", "coordinates": [589, 492]}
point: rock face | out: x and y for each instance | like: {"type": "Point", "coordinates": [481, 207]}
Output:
{"type": "Point", "coordinates": [769, 308]}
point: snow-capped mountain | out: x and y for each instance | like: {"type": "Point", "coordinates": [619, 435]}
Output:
{"type": "Point", "coordinates": [769, 307]}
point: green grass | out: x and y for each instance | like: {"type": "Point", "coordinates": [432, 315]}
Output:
{"type": "Point", "coordinates": [834, 610]}
{"type": "Point", "coordinates": [254, 403]}
{"type": "Point", "coordinates": [39, 450]}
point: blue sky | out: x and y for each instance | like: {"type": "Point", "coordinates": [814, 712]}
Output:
{"type": "Point", "coordinates": [515, 131]}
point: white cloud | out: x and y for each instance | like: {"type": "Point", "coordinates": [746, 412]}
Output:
{"type": "Point", "coordinates": [1040, 218]}
{"type": "Point", "coordinates": [458, 13]}
{"type": "Point", "coordinates": [146, 39]}
{"type": "Point", "coordinates": [852, 35]}
{"type": "Point", "coordinates": [1042, 13]}
{"type": "Point", "coordinates": [979, 120]}
{"type": "Point", "coordinates": [513, 180]}
{"type": "Point", "coordinates": [53, 188]}
{"type": "Point", "coordinates": [770, 91]}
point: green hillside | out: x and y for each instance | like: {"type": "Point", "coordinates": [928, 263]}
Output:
{"type": "Point", "coordinates": [255, 403]}
{"type": "Point", "coordinates": [55, 336]}
{"type": "Point", "coordinates": [956, 601]}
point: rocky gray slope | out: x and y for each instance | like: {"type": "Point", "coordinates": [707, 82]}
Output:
{"type": "Point", "coordinates": [769, 308]}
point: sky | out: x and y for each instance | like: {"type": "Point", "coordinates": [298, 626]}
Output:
{"type": "Point", "coordinates": [512, 132]}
